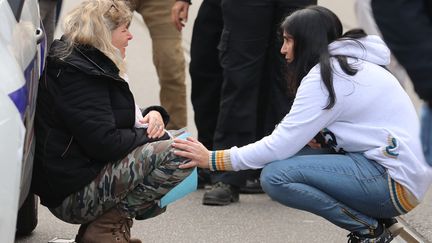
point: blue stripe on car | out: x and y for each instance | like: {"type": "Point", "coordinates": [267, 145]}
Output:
{"type": "Point", "coordinates": [19, 97]}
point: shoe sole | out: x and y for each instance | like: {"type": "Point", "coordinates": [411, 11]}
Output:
{"type": "Point", "coordinates": [218, 202]}
{"type": "Point", "coordinates": [250, 191]}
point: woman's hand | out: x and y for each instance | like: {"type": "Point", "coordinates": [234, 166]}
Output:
{"type": "Point", "coordinates": [194, 150]}
{"type": "Point", "coordinates": [155, 123]}
{"type": "Point", "coordinates": [314, 144]}
{"type": "Point", "coordinates": [179, 14]}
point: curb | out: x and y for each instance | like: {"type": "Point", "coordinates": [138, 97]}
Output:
{"type": "Point", "coordinates": [409, 234]}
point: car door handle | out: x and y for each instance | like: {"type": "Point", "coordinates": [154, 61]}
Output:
{"type": "Point", "coordinates": [39, 35]}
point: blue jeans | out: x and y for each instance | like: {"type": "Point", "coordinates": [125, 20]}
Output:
{"type": "Point", "coordinates": [426, 132]}
{"type": "Point", "coordinates": [348, 190]}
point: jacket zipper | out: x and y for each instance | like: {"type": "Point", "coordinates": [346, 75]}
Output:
{"type": "Point", "coordinates": [67, 148]}
{"type": "Point", "coordinates": [349, 214]}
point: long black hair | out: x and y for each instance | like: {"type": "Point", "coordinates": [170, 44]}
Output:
{"type": "Point", "coordinates": [312, 30]}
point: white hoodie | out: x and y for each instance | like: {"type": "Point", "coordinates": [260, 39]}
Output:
{"type": "Point", "coordinates": [372, 114]}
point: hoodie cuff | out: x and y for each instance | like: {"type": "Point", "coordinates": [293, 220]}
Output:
{"type": "Point", "coordinates": [220, 160]}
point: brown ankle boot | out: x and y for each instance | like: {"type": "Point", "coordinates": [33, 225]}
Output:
{"type": "Point", "coordinates": [80, 234]}
{"type": "Point", "coordinates": [110, 227]}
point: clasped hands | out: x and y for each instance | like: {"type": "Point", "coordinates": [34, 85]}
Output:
{"type": "Point", "coordinates": [156, 126]}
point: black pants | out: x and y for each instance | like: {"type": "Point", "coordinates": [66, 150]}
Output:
{"type": "Point", "coordinates": [254, 91]}
{"type": "Point", "coordinates": [242, 101]}
{"type": "Point", "coordinates": [406, 27]}
{"type": "Point", "coordinates": [254, 96]}
{"type": "Point", "coordinates": [206, 73]}
{"type": "Point", "coordinates": [205, 69]}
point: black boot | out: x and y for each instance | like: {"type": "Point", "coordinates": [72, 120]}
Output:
{"type": "Point", "coordinates": [221, 194]}
{"type": "Point", "coordinates": [252, 186]}
{"type": "Point", "coordinates": [381, 235]}
{"type": "Point", "coordinates": [392, 225]}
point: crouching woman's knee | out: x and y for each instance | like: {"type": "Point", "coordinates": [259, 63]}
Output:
{"type": "Point", "coordinates": [269, 180]}
{"type": "Point", "coordinates": [274, 177]}
{"type": "Point", "coordinates": [167, 164]}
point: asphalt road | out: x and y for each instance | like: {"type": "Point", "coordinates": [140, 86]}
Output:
{"type": "Point", "coordinates": [256, 218]}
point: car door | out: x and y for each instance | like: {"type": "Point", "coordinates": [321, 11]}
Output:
{"type": "Point", "coordinates": [22, 52]}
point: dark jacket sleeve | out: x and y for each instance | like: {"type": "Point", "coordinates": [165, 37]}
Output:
{"type": "Point", "coordinates": [84, 105]}
{"type": "Point", "coordinates": [406, 26]}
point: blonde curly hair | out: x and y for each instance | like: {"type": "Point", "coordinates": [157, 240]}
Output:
{"type": "Point", "coordinates": [92, 23]}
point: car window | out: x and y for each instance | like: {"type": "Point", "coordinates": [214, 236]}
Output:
{"type": "Point", "coordinates": [16, 6]}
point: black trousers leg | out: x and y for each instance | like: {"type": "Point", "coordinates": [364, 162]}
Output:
{"type": "Point", "coordinates": [206, 73]}
{"type": "Point", "coordinates": [205, 69]}
{"type": "Point", "coordinates": [254, 96]}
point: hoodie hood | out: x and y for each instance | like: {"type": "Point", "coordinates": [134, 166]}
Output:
{"type": "Point", "coordinates": [372, 49]}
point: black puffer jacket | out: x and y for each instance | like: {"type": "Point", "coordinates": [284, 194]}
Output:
{"type": "Point", "coordinates": [84, 120]}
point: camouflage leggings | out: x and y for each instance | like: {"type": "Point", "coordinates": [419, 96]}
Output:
{"type": "Point", "coordinates": [133, 184]}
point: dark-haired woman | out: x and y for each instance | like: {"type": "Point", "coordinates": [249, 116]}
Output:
{"type": "Point", "coordinates": [344, 93]}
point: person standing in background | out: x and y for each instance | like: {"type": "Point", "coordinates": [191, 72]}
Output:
{"type": "Point", "coordinates": [168, 57]}
{"type": "Point", "coordinates": [253, 94]}
{"type": "Point", "coordinates": [406, 26]}
{"type": "Point", "coordinates": [366, 21]}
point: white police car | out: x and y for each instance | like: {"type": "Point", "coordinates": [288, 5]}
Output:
{"type": "Point", "coordinates": [22, 55]}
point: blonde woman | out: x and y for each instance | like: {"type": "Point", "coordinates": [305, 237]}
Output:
{"type": "Point", "coordinates": [93, 166]}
